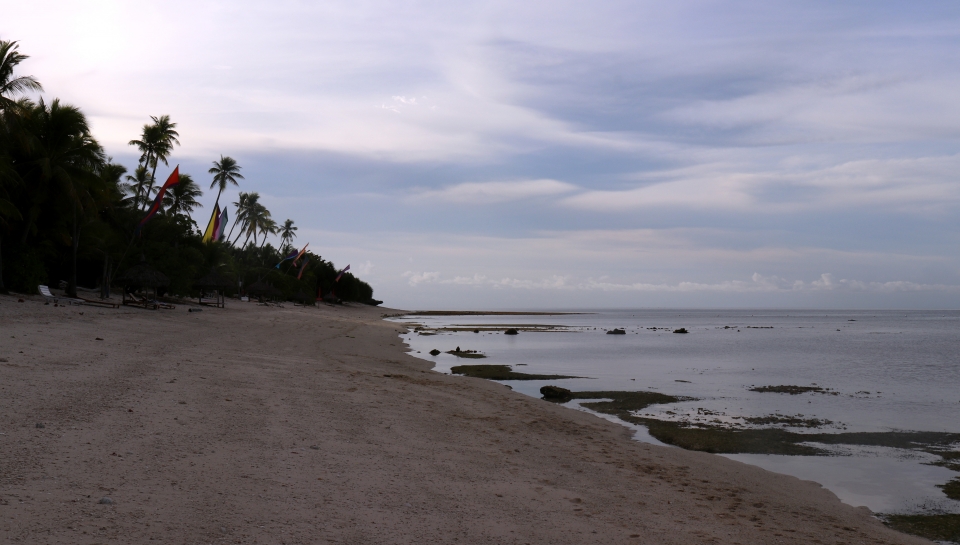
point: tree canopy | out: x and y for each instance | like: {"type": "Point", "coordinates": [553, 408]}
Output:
{"type": "Point", "coordinates": [69, 213]}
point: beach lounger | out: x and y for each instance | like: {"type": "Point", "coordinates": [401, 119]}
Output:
{"type": "Point", "coordinates": [132, 300]}
{"type": "Point", "coordinates": [45, 292]}
{"type": "Point", "coordinates": [99, 302]}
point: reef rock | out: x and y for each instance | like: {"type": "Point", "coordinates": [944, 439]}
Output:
{"type": "Point", "coordinates": [556, 393]}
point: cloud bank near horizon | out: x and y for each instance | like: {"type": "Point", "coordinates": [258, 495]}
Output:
{"type": "Point", "coordinates": [646, 150]}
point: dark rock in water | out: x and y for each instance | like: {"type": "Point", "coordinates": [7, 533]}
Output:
{"type": "Point", "coordinates": [785, 389]}
{"type": "Point", "coordinates": [434, 352]}
{"type": "Point", "coordinates": [476, 331]}
{"type": "Point", "coordinates": [499, 372]}
{"type": "Point", "coordinates": [465, 353]}
{"type": "Point", "coordinates": [681, 330]}
{"type": "Point", "coordinates": [511, 332]}
{"type": "Point", "coordinates": [105, 501]}
{"type": "Point", "coordinates": [616, 332]}
{"type": "Point", "coordinates": [556, 393]}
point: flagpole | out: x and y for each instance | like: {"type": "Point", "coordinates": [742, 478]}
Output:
{"type": "Point", "coordinates": [172, 180]}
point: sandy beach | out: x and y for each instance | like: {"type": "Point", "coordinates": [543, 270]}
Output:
{"type": "Point", "coordinates": [255, 424]}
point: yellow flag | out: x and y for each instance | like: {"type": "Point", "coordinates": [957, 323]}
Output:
{"type": "Point", "coordinates": [212, 226]}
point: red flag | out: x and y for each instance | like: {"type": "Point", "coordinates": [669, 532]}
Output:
{"type": "Point", "coordinates": [303, 268]}
{"type": "Point", "coordinates": [173, 180]}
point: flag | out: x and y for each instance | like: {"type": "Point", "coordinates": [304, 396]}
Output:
{"type": "Point", "coordinates": [173, 180]}
{"type": "Point", "coordinates": [222, 224]}
{"type": "Point", "coordinates": [292, 255]}
{"type": "Point", "coordinates": [213, 225]}
{"type": "Point", "coordinates": [303, 268]}
{"type": "Point", "coordinates": [299, 255]}
{"type": "Point", "coordinates": [345, 269]}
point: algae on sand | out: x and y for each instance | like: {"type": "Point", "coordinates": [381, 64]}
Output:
{"type": "Point", "coordinates": [935, 527]}
{"type": "Point", "coordinates": [727, 440]}
{"type": "Point", "coordinates": [951, 489]}
{"type": "Point", "coordinates": [499, 372]}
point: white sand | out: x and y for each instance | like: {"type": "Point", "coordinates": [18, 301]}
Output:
{"type": "Point", "coordinates": [301, 425]}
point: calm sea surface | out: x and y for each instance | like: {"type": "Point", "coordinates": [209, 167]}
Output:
{"type": "Point", "coordinates": [890, 370]}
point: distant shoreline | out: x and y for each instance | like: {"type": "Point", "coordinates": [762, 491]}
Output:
{"type": "Point", "coordinates": [487, 313]}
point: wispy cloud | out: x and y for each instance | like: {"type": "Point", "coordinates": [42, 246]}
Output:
{"type": "Point", "coordinates": [757, 283]}
{"type": "Point", "coordinates": [908, 184]}
{"type": "Point", "coordinates": [493, 192]}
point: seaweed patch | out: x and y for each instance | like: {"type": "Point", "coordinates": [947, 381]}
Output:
{"type": "Point", "coordinates": [951, 489]}
{"type": "Point", "coordinates": [500, 372]}
{"type": "Point", "coordinates": [792, 390]}
{"type": "Point", "coordinates": [934, 527]}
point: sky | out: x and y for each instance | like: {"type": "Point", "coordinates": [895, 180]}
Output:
{"type": "Point", "coordinates": [604, 154]}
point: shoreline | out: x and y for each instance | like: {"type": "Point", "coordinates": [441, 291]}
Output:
{"type": "Point", "coordinates": [201, 427]}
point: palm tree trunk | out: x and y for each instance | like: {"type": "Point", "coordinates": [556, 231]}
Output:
{"type": "Point", "coordinates": [153, 181]}
{"type": "Point", "coordinates": [235, 221]}
{"type": "Point", "coordinates": [105, 281]}
{"type": "Point", "coordinates": [240, 234]}
{"type": "Point", "coordinates": [72, 284]}
{"type": "Point", "coordinates": [3, 288]}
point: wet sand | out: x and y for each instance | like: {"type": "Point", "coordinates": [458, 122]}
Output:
{"type": "Point", "coordinates": [257, 424]}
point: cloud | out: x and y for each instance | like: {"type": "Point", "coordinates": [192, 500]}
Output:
{"type": "Point", "coordinates": [916, 184]}
{"type": "Point", "coordinates": [417, 278]}
{"type": "Point", "coordinates": [756, 284]}
{"type": "Point", "coordinates": [363, 269]}
{"type": "Point", "coordinates": [774, 284]}
{"type": "Point", "coordinates": [493, 192]}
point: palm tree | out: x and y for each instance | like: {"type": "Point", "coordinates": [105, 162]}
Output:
{"type": "Point", "coordinates": [287, 233]}
{"type": "Point", "coordinates": [10, 85]}
{"type": "Point", "coordinates": [182, 198]}
{"type": "Point", "coordinates": [241, 204]}
{"type": "Point", "coordinates": [226, 171]}
{"type": "Point", "coordinates": [256, 220]}
{"type": "Point", "coordinates": [65, 164]}
{"type": "Point", "coordinates": [156, 144]}
{"type": "Point", "coordinates": [267, 227]}
{"type": "Point", "coordinates": [140, 185]}
{"type": "Point", "coordinates": [11, 111]}
{"type": "Point", "coordinates": [250, 204]}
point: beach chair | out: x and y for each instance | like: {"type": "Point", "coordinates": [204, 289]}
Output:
{"type": "Point", "coordinates": [99, 302]}
{"type": "Point", "coordinates": [131, 299]}
{"type": "Point", "coordinates": [47, 296]}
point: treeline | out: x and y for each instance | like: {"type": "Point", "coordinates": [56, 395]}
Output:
{"type": "Point", "coordinates": [69, 213]}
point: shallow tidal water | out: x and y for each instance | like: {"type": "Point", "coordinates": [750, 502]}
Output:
{"type": "Point", "coordinates": [881, 371]}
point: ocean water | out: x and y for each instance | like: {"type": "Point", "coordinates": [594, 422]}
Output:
{"type": "Point", "coordinates": [881, 371]}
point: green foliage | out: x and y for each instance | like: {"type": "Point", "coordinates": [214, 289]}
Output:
{"type": "Point", "coordinates": [67, 212]}
{"type": "Point", "coordinates": [27, 271]}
